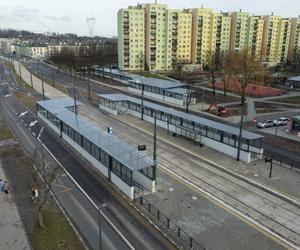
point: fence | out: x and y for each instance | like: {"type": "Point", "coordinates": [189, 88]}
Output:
{"type": "Point", "coordinates": [165, 222]}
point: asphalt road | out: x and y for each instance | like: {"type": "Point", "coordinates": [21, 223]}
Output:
{"type": "Point", "coordinates": [133, 226]}
{"type": "Point", "coordinates": [279, 152]}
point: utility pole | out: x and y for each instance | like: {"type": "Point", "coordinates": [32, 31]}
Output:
{"type": "Point", "coordinates": [154, 148]}
{"type": "Point", "coordinates": [31, 79]}
{"type": "Point", "coordinates": [89, 88]}
{"type": "Point", "coordinates": [100, 228]}
{"type": "Point", "coordinates": [241, 130]}
{"type": "Point", "coordinates": [52, 77]}
{"type": "Point", "coordinates": [43, 88]}
{"type": "Point", "coordinates": [142, 104]}
{"type": "Point", "coordinates": [20, 70]}
{"type": "Point", "coordinates": [75, 101]}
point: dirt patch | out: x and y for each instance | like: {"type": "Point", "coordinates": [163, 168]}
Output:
{"type": "Point", "coordinates": [291, 100]}
{"type": "Point", "coordinates": [28, 100]}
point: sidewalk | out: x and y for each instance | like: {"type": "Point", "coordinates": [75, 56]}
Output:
{"type": "Point", "coordinates": [12, 232]}
{"type": "Point", "coordinates": [50, 91]}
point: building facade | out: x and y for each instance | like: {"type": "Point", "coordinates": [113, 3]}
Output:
{"type": "Point", "coordinates": [153, 37]}
{"type": "Point", "coordinates": [131, 33]}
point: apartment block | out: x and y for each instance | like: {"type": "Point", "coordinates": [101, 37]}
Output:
{"type": "Point", "coordinates": [284, 40]}
{"type": "Point", "coordinates": [131, 38]}
{"type": "Point", "coordinates": [178, 38]}
{"type": "Point", "coordinates": [255, 36]}
{"type": "Point", "coordinates": [158, 38]}
{"type": "Point", "coordinates": [220, 34]}
{"type": "Point", "coordinates": [201, 35]}
{"type": "Point", "coordinates": [155, 34]}
{"type": "Point", "coordinates": [276, 39]}
{"type": "Point", "coordinates": [294, 47]}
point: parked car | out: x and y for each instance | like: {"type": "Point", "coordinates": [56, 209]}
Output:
{"type": "Point", "coordinates": [282, 121]}
{"type": "Point", "coordinates": [265, 124]}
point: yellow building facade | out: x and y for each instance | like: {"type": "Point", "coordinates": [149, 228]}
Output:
{"type": "Point", "coordinates": [131, 38]}
{"type": "Point", "coordinates": [153, 37]}
{"type": "Point", "coordinates": [294, 48]}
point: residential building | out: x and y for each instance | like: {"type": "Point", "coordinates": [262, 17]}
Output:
{"type": "Point", "coordinates": [178, 38]}
{"type": "Point", "coordinates": [294, 47]}
{"type": "Point", "coordinates": [131, 38]}
{"type": "Point", "coordinates": [220, 34]}
{"type": "Point", "coordinates": [155, 35]}
{"type": "Point", "coordinates": [201, 35]}
{"type": "Point", "coordinates": [255, 36]}
{"type": "Point", "coordinates": [239, 30]}
{"type": "Point", "coordinates": [271, 37]}
{"type": "Point", "coordinates": [37, 51]}
{"type": "Point", "coordinates": [284, 40]}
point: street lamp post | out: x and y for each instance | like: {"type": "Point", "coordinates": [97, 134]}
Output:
{"type": "Point", "coordinates": [52, 77]}
{"type": "Point", "coordinates": [168, 124]}
{"type": "Point", "coordinates": [89, 88]}
{"type": "Point", "coordinates": [43, 88]}
{"type": "Point", "coordinates": [154, 148]}
{"type": "Point", "coordinates": [142, 104]}
{"type": "Point", "coordinates": [101, 205]}
{"type": "Point", "coordinates": [31, 79]}
{"type": "Point", "coordinates": [75, 101]}
{"type": "Point", "coordinates": [241, 130]}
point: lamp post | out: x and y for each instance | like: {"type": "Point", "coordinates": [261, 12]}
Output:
{"type": "Point", "coordinates": [142, 104]}
{"type": "Point", "coordinates": [168, 123]}
{"type": "Point", "coordinates": [43, 88]}
{"type": "Point", "coordinates": [101, 205]}
{"type": "Point", "coordinates": [75, 101]}
{"type": "Point", "coordinates": [241, 129]}
{"type": "Point", "coordinates": [154, 148]}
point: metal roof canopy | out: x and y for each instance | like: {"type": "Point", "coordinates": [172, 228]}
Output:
{"type": "Point", "coordinates": [123, 152]}
{"type": "Point", "coordinates": [200, 120]}
{"type": "Point", "coordinates": [154, 82]}
{"type": "Point", "coordinates": [295, 79]}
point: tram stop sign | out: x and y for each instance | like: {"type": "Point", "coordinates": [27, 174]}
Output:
{"type": "Point", "coordinates": [141, 147]}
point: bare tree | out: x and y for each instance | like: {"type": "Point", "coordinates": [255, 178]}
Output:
{"type": "Point", "coordinates": [214, 65]}
{"type": "Point", "coordinates": [228, 71]}
{"type": "Point", "coordinates": [246, 69]}
{"type": "Point", "coordinates": [43, 186]}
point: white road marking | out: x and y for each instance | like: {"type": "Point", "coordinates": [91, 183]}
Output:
{"type": "Point", "coordinates": [24, 113]}
{"type": "Point", "coordinates": [33, 123]}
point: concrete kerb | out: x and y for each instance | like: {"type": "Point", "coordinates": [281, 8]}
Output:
{"type": "Point", "coordinates": [240, 177]}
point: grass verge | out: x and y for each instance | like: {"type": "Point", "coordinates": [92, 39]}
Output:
{"type": "Point", "coordinates": [28, 100]}
{"type": "Point", "coordinates": [19, 80]}
{"type": "Point", "coordinates": [57, 232]}
{"type": "Point", "coordinates": [5, 133]}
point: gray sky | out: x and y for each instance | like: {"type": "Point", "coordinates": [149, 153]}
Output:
{"type": "Point", "coordinates": [69, 15]}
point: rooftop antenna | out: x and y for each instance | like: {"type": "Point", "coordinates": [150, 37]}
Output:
{"type": "Point", "coordinates": [90, 22]}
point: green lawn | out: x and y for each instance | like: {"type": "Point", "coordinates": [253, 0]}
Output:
{"type": "Point", "coordinates": [5, 133]}
{"type": "Point", "coordinates": [56, 234]}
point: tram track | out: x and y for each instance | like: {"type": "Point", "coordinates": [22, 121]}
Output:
{"type": "Point", "coordinates": [213, 181]}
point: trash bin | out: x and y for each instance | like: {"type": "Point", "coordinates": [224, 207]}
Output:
{"type": "Point", "coordinates": [174, 134]}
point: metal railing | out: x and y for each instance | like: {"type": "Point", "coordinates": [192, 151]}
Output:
{"type": "Point", "coordinates": [168, 224]}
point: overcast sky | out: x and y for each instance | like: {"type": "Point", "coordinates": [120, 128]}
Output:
{"type": "Point", "coordinates": [69, 15]}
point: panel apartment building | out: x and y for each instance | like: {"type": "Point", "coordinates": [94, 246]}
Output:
{"type": "Point", "coordinates": [153, 37]}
